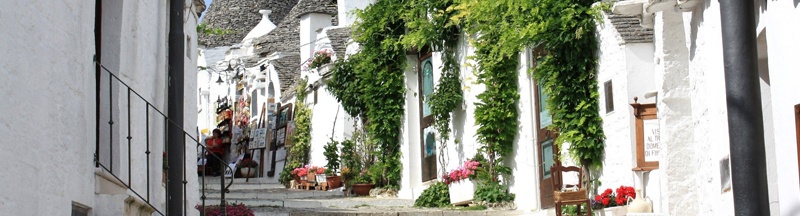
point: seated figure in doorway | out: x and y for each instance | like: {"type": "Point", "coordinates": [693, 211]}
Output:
{"type": "Point", "coordinates": [214, 144]}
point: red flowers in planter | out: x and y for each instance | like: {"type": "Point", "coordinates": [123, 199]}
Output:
{"type": "Point", "coordinates": [463, 172]}
{"type": "Point", "coordinates": [232, 209]}
{"type": "Point", "coordinates": [623, 195]}
{"type": "Point", "coordinates": [300, 171]}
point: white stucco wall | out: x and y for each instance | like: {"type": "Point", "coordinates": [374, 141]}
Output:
{"type": "Point", "coordinates": [50, 128]}
{"type": "Point", "coordinates": [689, 75]}
{"type": "Point", "coordinates": [783, 86]}
{"type": "Point", "coordinates": [49, 122]}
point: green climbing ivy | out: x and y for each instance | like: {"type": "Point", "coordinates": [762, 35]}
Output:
{"type": "Point", "coordinates": [301, 138]}
{"type": "Point", "coordinates": [564, 30]}
{"type": "Point", "coordinates": [369, 84]}
{"type": "Point", "coordinates": [429, 23]}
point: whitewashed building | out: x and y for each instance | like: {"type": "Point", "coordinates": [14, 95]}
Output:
{"type": "Point", "coordinates": [669, 53]}
{"type": "Point", "coordinates": [664, 53]}
{"type": "Point", "coordinates": [62, 157]}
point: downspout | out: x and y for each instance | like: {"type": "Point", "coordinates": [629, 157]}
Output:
{"type": "Point", "coordinates": [98, 17]}
{"type": "Point", "coordinates": [745, 120]}
{"type": "Point", "coordinates": [175, 141]}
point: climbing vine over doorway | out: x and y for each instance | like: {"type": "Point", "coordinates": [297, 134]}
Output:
{"type": "Point", "coordinates": [371, 82]}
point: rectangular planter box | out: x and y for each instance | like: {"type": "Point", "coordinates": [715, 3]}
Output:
{"type": "Point", "coordinates": [462, 192]}
{"type": "Point", "coordinates": [613, 211]}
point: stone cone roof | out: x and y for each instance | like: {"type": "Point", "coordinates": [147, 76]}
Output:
{"type": "Point", "coordinates": [240, 16]}
{"type": "Point", "coordinates": [286, 37]}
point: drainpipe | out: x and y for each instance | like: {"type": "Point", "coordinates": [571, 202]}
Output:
{"type": "Point", "coordinates": [175, 141]}
{"type": "Point", "coordinates": [745, 120]}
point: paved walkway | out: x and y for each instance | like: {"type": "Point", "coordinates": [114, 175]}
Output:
{"type": "Point", "coordinates": [275, 200]}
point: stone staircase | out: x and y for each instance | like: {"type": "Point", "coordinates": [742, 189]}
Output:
{"type": "Point", "coordinates": [257, 193]}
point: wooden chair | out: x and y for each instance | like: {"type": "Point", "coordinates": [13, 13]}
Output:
{"type": "Point", "coordinates": [569, 197]}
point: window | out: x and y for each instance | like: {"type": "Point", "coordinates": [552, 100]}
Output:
{"type": "Point", "coordinates": [609, 96]}
{"type": "Point", "coordinates": [79, 209]}
{"type": "Point", "coordinates": [427, 132]}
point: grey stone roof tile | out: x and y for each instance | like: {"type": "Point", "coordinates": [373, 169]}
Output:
{"type": "Point", "coordinates": [339, 38]}
{"type": "Point", "coordinates": [630, 28]}
{"type": "Point", "coordinates": [241, 16]}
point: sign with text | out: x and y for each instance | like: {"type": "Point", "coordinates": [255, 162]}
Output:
{"type": "Point", "coordinates": [651, 140]}
{"type": "Point", "coordinates": [648, 136]}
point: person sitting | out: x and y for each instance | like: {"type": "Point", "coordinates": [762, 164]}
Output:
{"type": "Point", "coordinates": [214, 145]}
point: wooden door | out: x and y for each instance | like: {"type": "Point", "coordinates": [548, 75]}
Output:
{"type": "Point", "coordinates": [797, 126]}
{"type": "Point", "coordinates": [547, 150]}
{"type": "Point", "coordinates": [427, 131]}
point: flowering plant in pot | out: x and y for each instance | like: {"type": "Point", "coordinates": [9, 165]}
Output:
{"type": "Point", "coordinates": [232, 209]}
{"type": "Point", "coordinates": [247, 167]}
{"type": "Point", "coordinates": [462, 188]}
{"type": "Point", "coordinates": [300, 172]}
{"type": "Point", "coordinates": [320, 58]}
{"type": "Point", "coordinates": [611, 202]}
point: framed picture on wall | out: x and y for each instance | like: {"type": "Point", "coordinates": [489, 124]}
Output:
{"type": "Point", "coordinates": [281, 138]}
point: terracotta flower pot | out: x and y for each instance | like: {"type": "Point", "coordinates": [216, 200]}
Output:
{"type": "Point", "coordinates": [334, 181]}
{"type": "Point", "coordinates": [362, 189]}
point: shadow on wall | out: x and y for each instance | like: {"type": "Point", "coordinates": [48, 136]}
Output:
{"type": "Point", "coordinates": [459, 120]}
{"type": "Point", "coordinates": [697, 19]}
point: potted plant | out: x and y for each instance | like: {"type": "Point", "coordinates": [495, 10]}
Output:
{"type": "Point", "coordinates": [462, 187]}
{"type": "Point", "coordinates": [300, 174]}
{"type": "Point", "coordinates": [319, 59]}
{"type": "Point", "coordinates": [610, 203]}
{"type": "Point", "coordinates": [332, 155]}
{"type": "Point", "coordinates": [312, 174]}
{"type": "Point", "coordinates": [247, 167]}
{"type": "Point", "coordinates": [231, 209]}
{"type": "Point", "coordinates": [361, 184]}
{"type": "Point", "coordinates": [347, 175]}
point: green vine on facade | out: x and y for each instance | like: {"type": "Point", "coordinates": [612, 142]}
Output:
{"type": "Point", "coordinates": [429, 23]}
{"type": "Point", "coordinates": [298, 152]}
{"type": "Point", "coordinates": [564, 30]}
{"type": "Point", "coordinates": [370, 84]}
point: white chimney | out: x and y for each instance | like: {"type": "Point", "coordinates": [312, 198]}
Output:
{"type": "Point", "coordinates": [263, 27]}
{"type": "Point", "coordinates": [309, 24]}
{"type": "Point", "coordinates": [345, 7]}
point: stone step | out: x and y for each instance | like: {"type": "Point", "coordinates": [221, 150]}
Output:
{"type": "Point", "coordinates": [370, 211]}
{"type": "Point", "coordinates": [241, 184]}
{"type": "Point", "coordinates": [317, 203]}
{"type": "Point", "coordinates": [273, 194]}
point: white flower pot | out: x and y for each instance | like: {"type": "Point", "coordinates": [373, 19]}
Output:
{"type": "Point", "coordinates": [247, 172]}
{"type": "Point", "coordinates": [325, 69]}
{"type": "Point", "coordinates": [613, 211]}
{"type": "Point", "coordinates": [462, 192]}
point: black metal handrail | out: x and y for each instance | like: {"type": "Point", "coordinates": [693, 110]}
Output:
{"type": "Point", "coordinates": [167, 122]}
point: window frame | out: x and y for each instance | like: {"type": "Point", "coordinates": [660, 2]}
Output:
{"type": "Point", "coordinates": [608, 87]}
